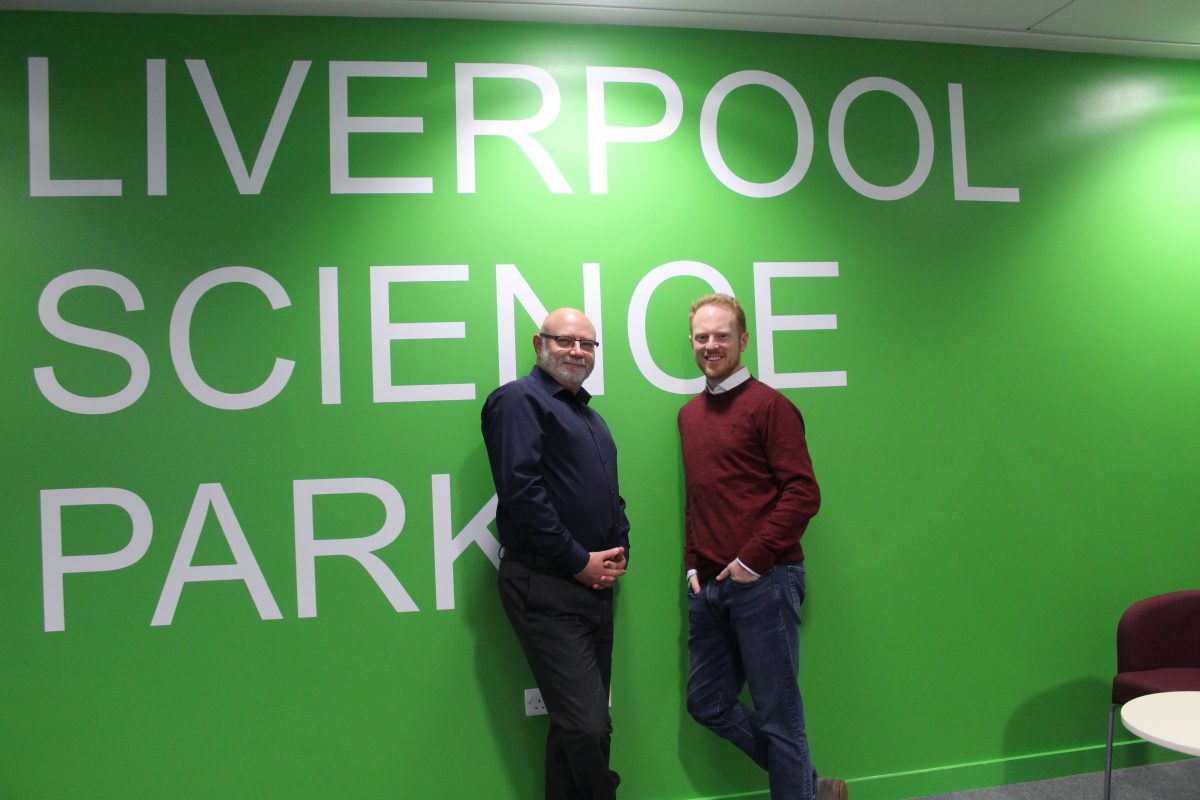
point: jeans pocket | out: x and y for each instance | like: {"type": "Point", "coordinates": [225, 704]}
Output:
{"type": "Point", "coordinates": [796, 583]}
{"type": "Point", "coordinates": [746, 584]}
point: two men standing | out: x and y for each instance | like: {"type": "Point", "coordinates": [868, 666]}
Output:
{"type": "Point", "coordinates": [565, 539]}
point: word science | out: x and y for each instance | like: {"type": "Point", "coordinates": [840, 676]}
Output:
{"type": "Point", "coordinates": [512, 290]}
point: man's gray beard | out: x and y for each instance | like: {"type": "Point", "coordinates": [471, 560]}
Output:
{"type": "Point", "coordinates": [557, 368]}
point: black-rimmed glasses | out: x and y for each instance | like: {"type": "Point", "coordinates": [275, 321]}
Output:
{"type": "Point", "coordinates": [568, 342]}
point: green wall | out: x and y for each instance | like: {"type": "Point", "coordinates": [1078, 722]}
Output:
{"type": "Point", "coordinates": [1000, 391]}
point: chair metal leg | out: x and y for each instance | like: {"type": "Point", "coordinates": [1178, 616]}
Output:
{"type": "Point", "coordinates": [1112, 710]}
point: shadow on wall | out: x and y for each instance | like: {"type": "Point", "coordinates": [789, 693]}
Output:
{"type": "Point", "coordinates": [502, 675]}
{"type": "Point", "coordinates": [501, 671]}
{"type": "Point", "coordinates": [1058, 720]}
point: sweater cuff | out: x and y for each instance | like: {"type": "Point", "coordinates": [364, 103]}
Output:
{"type": "Point", "coordinates": [756, 558]}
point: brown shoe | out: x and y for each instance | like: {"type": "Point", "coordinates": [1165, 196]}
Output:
{"type": "Point", "coordinates": [831, 789]}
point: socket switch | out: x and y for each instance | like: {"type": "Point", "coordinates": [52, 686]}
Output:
{"type": "Point", "coordinates": [534, 705]}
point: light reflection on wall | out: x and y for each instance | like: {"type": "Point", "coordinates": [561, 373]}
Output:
{"type": "Point", "coordinates": [1117, 102]}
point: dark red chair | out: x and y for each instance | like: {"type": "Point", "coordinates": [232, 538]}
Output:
{"type": "Point", "coordinates": [1158, 650]}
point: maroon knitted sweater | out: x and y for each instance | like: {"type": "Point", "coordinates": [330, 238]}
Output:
{"type": "Point", "coordinates": [750, 484]}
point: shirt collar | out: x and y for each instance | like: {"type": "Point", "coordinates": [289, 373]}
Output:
{"type": "Point", "coordinates": [732, 382]}
{"type": "Point", "coordinates": [553, 387]}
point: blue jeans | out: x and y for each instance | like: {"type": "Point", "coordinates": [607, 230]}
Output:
{"type": "Point", "coordinates": [749, 634]}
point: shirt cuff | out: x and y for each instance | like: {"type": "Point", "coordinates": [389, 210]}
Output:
{"type": "Point", "coordinates": [576, 559]}
{"type": "Point", "coordinates": [743, 566]}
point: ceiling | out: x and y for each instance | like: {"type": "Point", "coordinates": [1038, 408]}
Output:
{"type": "Point", "coordinates": [1164, 28]}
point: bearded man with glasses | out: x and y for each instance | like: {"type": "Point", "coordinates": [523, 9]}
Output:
{"type": "Point", "coordinates": [564, 542]}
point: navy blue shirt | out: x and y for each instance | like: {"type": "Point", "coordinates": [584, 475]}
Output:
{"type": "Point", "coordinates": [555, 468]}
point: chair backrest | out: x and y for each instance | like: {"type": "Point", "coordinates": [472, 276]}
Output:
{"type": "Point", "coordinates": [1160, 631]}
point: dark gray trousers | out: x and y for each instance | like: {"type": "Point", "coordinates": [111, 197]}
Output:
{"type": "Point", "coordinates": [566, 631]}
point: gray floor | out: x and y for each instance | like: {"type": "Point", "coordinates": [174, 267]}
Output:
{"type": "Point", "coordinates": [1179, 780]}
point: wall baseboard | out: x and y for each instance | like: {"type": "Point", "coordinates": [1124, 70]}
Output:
{"type": "Point", "coordinates": [996, 772]}
{"type": "Point", "coordinates": [1005, 771]}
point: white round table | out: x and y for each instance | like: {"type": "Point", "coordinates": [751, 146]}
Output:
{"type": "Point", "coordinates": [1169, 719]}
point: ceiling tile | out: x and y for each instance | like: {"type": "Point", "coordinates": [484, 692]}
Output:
{"type": "Point", "coordinates": [1147, 20]}
{"type": "Point", "coordinates": [1009, 15]}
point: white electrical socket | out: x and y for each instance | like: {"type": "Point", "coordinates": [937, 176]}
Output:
{"type": "Point", "coordinates": [534, 705]}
